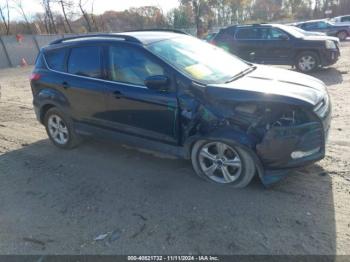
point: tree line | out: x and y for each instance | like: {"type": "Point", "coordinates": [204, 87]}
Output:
{"type": "Point", "coordinates": [77, 16]}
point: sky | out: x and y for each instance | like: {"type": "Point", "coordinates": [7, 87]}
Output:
{"type": "Point", "coordinates": [100, 6]}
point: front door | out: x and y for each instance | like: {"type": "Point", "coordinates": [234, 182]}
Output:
{"type": "Point", "coordinates": [276, 46]}
{"type": "Point", "coordinates": [132, 107]}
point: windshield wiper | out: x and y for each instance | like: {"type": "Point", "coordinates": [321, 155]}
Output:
{"type": "Point", "coordinates": [243, 73]}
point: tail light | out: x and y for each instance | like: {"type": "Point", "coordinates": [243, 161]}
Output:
{"type": "Point", "coordinates": [35, 77]}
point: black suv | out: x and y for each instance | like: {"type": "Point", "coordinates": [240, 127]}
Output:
{"type": "Point", "coordinates": [340, 31]}
{"type": "Point", "coordinates": [179, 95]}
{"type": "Point", "coordinates": [278, 45]}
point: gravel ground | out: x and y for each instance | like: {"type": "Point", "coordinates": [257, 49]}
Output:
{"type": "Point", "coordinates": [107, 199]}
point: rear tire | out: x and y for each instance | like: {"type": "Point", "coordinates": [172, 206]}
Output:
{"type": "Point", "coordinates": [223, 163]}
{"type": "Point", "coordinates": [342, 35]}
{"type": "Point", "coordinates": [59, 128]}
{"type": "Point", "coordinates": [307, 62]}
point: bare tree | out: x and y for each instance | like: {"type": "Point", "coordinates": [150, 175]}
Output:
{"type": "Point", "coordinates": [93, 18]}
{"type": "Point", "coordinates": [85, 15]}
{"type": "Point", "coordinates": [5, 16]}
{"type": "Point", "coordinates": [19, 7]}
{"type": "Point", "coordinates": [49, 20]}
{"type": "Point", "coordinates": [64, 5]}
{"type": "Point", "coordinates": [200, 9]}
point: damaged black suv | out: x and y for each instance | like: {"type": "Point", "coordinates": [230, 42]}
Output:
{"type": "Point", "coordinates": [171, 92]}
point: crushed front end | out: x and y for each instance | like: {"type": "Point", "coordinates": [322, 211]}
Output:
{"type": "Point", "coordinates": [295, 139]}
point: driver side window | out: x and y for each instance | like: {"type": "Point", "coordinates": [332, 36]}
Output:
{"type": "Point", "coordinates": [131, 65]}
{"type": "Point", "coordinates": [275, 34]}
{"type": "Point", "coordinates": [322, 25]}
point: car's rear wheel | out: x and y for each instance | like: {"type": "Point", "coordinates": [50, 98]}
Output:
{"type": "Point", "coordinates": [223, 163]}
{"type": "Point", "coordinates": [342, 35]}
{"type": "Point", "coordinates": [60, 129]}
{"type": "Point", "coordinates": [307, 62]}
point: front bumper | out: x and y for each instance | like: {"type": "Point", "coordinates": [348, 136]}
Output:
{"type": "Point", "coordinates": [276, 149]}
{"type": "Point", "coordinates": [329, 56]}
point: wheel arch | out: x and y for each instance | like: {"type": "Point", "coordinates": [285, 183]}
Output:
{"type": "Point", "coordinates": [316, 51]}
{"type": "Point", "coordinates": [343, 31]}
{"type": "Point", "coordinates": [229, 135]}
{"type": "Point", "coordinates": [49, 98]}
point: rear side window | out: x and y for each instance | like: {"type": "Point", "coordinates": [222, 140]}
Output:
{"type": "Point", "coordinates": [310, 26]}
{"type": "Point", "coordinates": [345, 19]}
{"type": "Point", "coordinates": [273, 34]}
{"type": "Point", "coordinates": [85, 61]}
{"type": "Point", "coordinates": [248, 33]}
{"type": "Point", "coordinates": [55, 59]}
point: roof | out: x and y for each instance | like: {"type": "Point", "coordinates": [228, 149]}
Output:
{"type": "Point", "coordinates": [141, 37]}
{"type": "Point", "coordinates": [312, 21]}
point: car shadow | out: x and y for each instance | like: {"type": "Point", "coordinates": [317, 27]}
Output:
{"type": "Point", "coordinates": [330, 75]}
{"type": "Point", "coordinates": [141, 204]}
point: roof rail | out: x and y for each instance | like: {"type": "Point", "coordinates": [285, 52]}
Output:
{"type": "Point", "coordinates": [120, 36]}
{"type": "Point", "coordinates": [160, 30]}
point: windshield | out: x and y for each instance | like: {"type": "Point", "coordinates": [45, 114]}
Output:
{"type": "Point", "coordinates": [199, 60]}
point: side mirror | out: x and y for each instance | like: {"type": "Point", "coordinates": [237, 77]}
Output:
{"type": "Point", "coordinates": [157, 83]}
{"type": "Point", "coordinates": [283, 37]}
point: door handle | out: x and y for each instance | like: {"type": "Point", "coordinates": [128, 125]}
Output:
{"type": "Point", "coordinates": [65, 85]}
{"type": "Point", "coordinates": [118, 94]}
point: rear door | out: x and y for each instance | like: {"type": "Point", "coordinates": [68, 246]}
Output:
{"type": "Point", "coordinates": [132, 107]}
{"type": "Point", "coordinates": [84, 83]}
{"type": "Point", "coordinates": [248, 44]}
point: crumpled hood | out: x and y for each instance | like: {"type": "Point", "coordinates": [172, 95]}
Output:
{"type": "Point", "coordinates": [271, 81]}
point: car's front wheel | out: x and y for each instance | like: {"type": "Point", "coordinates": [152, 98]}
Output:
{"type": "Point", "coordinates": [60, 129]}
{"type": "Point", "coordinates": [307, 62]}
{"type": "Point", "coordinates": [223, 163]}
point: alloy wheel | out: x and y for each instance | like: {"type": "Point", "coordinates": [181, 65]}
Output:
{"type": "Point", "coordinates": [307, 63]}
{"type": "Point", "coordinates": [220, 162]}
{"type": "Point", "coordinates": [58, 129]}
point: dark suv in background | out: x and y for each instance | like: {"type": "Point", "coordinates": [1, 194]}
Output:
{"type": "Point", "coordinates": [177, 94]}
{"type": "Point", "coordinates": [278, 45]}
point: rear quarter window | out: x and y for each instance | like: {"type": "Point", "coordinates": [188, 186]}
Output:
{"type": "Point", "coordinates": [56, 59]}
{"type": "Point", "coordinates": [85, 61]}
{"type": "Point", "coordinates": [345, 19]}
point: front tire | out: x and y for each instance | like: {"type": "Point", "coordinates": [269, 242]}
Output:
{"type": "Point", "coordinates": [223, 163]}
{"type": "Point", "coordinates": [342, 35]}
{"type": "Point", "coordinates": [307, 62]}
{"type": "Point", "coordinates": [60, 129]}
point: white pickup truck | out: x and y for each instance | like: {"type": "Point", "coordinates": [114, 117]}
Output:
{"type": "Point", "coordinates": [341, 20]}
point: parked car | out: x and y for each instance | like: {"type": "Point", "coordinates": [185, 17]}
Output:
{"type": "Point", "coordinates": [308, 32]}
{"type": "Point", "coordinates": [174, 93]}
{"type": "Point", "coordinates": [341, 20]}
{"type": "Point", "coordinates": [322, 35]}
{"type": "Point", "coordinates": [324, 26]}
{"type": "Point", "coordinates": [278, 45]}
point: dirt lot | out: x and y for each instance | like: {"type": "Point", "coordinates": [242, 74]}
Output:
{"type": "Point", "coordinates": [58, 202]}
